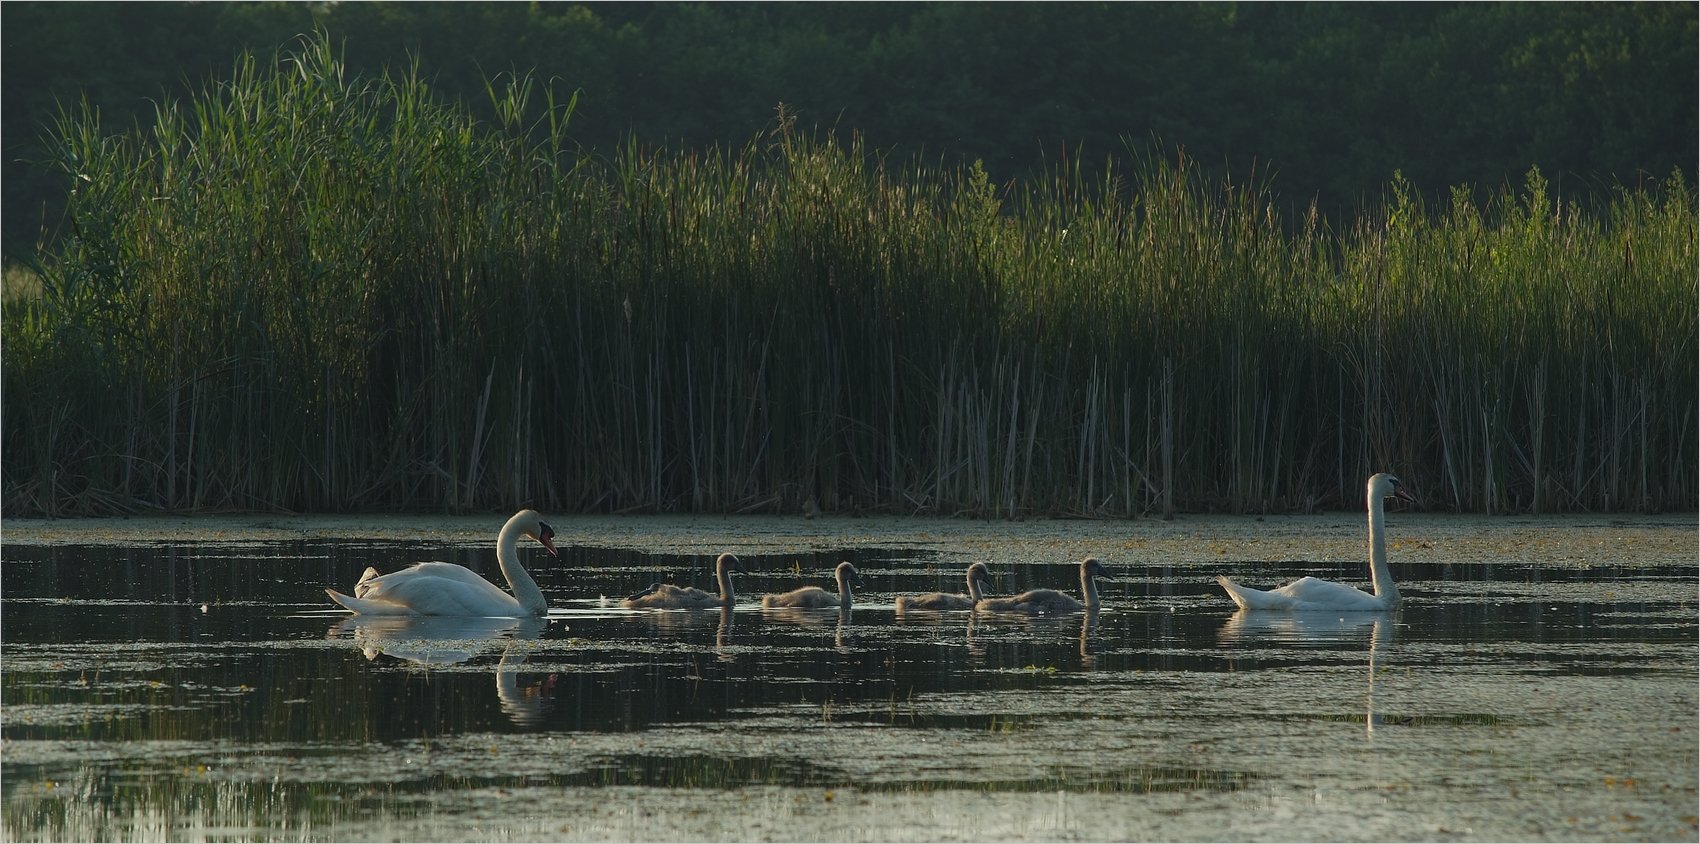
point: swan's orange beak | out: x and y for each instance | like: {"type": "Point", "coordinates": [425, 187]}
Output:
{"type": "Point", "coordinates": [546, 536]}
{"type": "Point", "coordinates": [1399, 492]}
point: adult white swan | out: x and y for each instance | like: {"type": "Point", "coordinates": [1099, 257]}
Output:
{"type": "Point", "coordinates": [448, 589]}
{"type": "Point", "coordinates": [1308, 594]}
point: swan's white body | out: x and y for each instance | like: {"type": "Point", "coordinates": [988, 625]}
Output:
{"type": "Point", "coordinates": [1050, 600]}
{"type": "Point", "coordinates": [977, 574]}
{"type": "Point", "coordinates": [810, 597]}
{"type": "Point", "coordinates": [1309, 594]}
{"type": "Point", "coordinates": [667, 596]}
{"type": "Point", "coordinates": [448, 589]}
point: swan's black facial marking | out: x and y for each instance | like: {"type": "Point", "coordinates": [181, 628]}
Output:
{"type": "Point", "coordinates": [546, 536]}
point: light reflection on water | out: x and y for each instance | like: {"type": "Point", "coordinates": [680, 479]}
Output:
{"type": "Point", "coordinates": [190, 692]}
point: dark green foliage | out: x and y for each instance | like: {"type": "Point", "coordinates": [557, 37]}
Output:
{"type": "Point", "coordinates": [1331, 97]}
{"type": "Point", "coordinates": [309, 289]}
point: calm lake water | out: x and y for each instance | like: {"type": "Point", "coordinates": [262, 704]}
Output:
{"type": "Point", "coordinates": [207, 691]}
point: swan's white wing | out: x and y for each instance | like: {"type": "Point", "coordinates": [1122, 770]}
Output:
{"type": "Point", "coordinates": [441, 589]}
{"type": "Point", "coordinates": [1311, 593]}
{"type": "Point", "coordinates": [1243, 596]}
{"type": "Point", "coordinates": [365, 607]}
{"type": "Point", "coordinates": [1304, 594]}
{"type": "Point", "coordinates": [445, 571]}
{"type": "Point", "coordinates": [384, 587]}
{"type": "Point", "coordinates": [367, 576]}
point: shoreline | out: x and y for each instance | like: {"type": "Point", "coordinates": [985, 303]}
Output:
{"type": "Point", "coordinates": [1414, 537]}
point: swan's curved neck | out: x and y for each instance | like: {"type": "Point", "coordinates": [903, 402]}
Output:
{"type": "Point", "coordinates": [1380, 576]}
{"type": "Point", "coordinates": [723, 573]}
{"type": "Point", "coordinates": [973, 588]}
{"type": "Point", "coordinates": [507, 554]}
{"type": "Point", "coordinates": [1089, 588]}
{"type": "Point", "coordinates": [843, 589]}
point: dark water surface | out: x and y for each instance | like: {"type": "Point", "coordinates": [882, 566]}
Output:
{"type": "Point", "coordinates": [209, 692]}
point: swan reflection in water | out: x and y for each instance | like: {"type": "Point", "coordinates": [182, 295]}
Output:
{"type": "Point", "coordinates": [1089, 646]}
{"type": "Point", "coordinates": [1315, 628]}
{"type": "Point", "coordinates": [723, 636]}
{"type": "Point", "coordinates": [838, 638]}
{"type": "Point", "coordinates": [1029, 625]}
{"type": "Point", "coordinates": [428, 641]}
{"type": "Point", "coordinates": [819, 617]}
{"type": "Point", "coordinates": [681, 625]}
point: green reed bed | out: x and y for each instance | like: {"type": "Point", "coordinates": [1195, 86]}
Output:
{"type": "Point", "coordinates": [311, 292]}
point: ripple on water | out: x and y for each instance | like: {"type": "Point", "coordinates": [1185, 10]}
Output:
{"type": "Point", "coordinates": [1523, 702]}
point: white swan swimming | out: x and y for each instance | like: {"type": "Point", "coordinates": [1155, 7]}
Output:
{"type": "Point", "coordinates": [1050, 600]}
{"type": "Point", "coordinates": [1309, 594]}
{"type": "Point", "coordinates": [810, 597]}
{"type": "Point", "coordinates": [668, 596]}
{"type": "Point", "coordinates": [977, 574]}
{"type": "Point", "coordinates": [449, 589]}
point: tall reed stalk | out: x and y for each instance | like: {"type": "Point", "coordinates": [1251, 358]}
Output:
{"type": "Point", "coordinates": [308, 292]}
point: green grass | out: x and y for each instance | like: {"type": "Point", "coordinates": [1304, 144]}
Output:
{"type": "Point", "coordinates": [19, 284]}
{"type": "Point", "coordinates": [305, 291]}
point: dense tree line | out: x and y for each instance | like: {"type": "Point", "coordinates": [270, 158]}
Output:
{"type": "Point", "coordinates": [1327, 99]}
